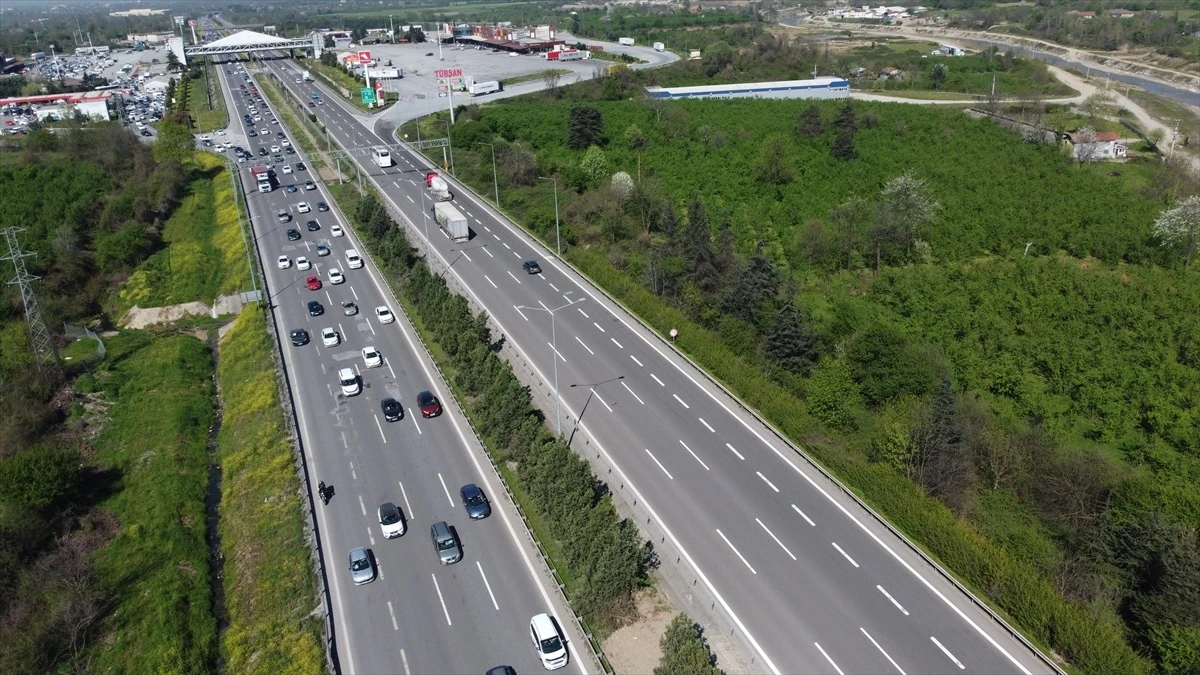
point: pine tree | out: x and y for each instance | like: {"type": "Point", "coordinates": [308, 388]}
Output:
{"type": "Point", "coordinates": [791, 343]}
{"type": "Point", "coordinates": [584, 127]}
{"type": "Point", "coordinates": [809, 124]}
{"type": "Point", "coordinates": [843, 146]}
{"type": "Point", "coordinates": [845, 121]}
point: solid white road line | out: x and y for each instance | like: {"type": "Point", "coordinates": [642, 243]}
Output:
{"type": "Point", "coordinates": [739, 455]}
{"type": "Point", "coordinates": [551, 346]}
{"type": "Point", "coordinates": [393, 613]}
{"type": "Point", "coordinates": [517, 308]}
{"type": "Point", "coordinates": [585, 346]}
{"type": "Point", "coordinates": [448, 497]}
{"type": "Point", "coordinates": [489, 280]}
{"type": "Point", "coordinates": [635, 360]}
{"type": "Point", "coordinates": [618, 344]}
{"type": "Point", "coordinates": [947, 653]}
{"type": "Point", "coordinates": [707, 425]}
{"type": "Point", "coordinates": [442, 600]}
{"type": "Point", "coordinates": [888, 656]}
{"type": "Point", "coordinates": [889, 597]}
{"type": "Point", "coordinates": [660, 382]}
{"type": "Point", "coordinates": [785, 549]}
{"type": "Point", "coordinates": [639, 398]}
{"type": "Point", "coordinates": [664, 469]}
{"type": "Point", "coordinates": [380, 427]}
{"type": "Point", "coordinates": [489, 586]}
{"type": "Point", "coordinates": [407, 506]}
{"type": "Point", "coordinates": [514, 277]}
{"type": "Point", "coordinates": [844, 554]}
{"type": "Point", "coordinates": [685, 447]}
{"type": "Point", "coordinates": [804, 515]}
{"type": "Point", "coordinates": [739, 554]}
{"type": "Point", "coordinates": [760, 475]}
{"type": "Point", "coordinates": [835, 666]}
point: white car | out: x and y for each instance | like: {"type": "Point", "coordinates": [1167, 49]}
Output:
{"type": "Point", "coordinates": [285, 143]}
{"type": "Point", "coordinates": [220, 132]}
{"type": "Point", "coordinates": [337, 231]}
{"type": "Point", "coordinates": [384, 315]}
{"type": "Point", "coordinates": [547, 641]}
{"type": "Point", "coordinates": [275, 148]}
{"type": "Point", "coordinates": [284, 262]}
{"type": "Point", "coordinates": [330, 337]}
{"type": "Point", "coordinates": [391, 520]}
{"type": "Point", "coordinates": [372, 357]}
{"type": "Point", "coordinates": [303, 207]}
{"type": "Point", "coordinates": [287, 168]}
{"type": "Point", "coordinates": [303, 264]}
{"type": "Point", "coordinates": [227, 144]}
{"type": "Point", "coordinates": [335, 276]}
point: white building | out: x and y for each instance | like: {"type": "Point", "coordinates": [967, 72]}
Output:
{"type": "Point", "coordinates": [821, 87]}
{"type": "Point", "coordinates": [1096, 151]}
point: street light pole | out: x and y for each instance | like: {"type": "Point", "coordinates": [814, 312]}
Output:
{"type": "Point", "coordinates": [428, 241]}
{"type": "Point", "coordinates": [451, 144]}
{"type": "Point", "coordinates": [495, 182]}
{"type": "Point", "coordinates": [554, 358]}
{"type": "Point", "coordinates": [557, 234]}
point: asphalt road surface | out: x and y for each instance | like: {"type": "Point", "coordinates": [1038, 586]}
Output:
{"type": "Point", "coordinates": [806, 575]}
{"type": "Point", "coordinates": [417, 616]}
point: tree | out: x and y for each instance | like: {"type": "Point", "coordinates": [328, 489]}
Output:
{"type": "Point", "coordinates": [833, 396]}
{"type": "Point", "coordinates": [772, 162]}
{"type": "Point", "coordinates": [551, 79]}
{"type": "Point", "coordinates": [174, 143]}
{"type": "Point", "coordinates": [329, 43]}
{"type": "Point", "coordinates": [843, 146]}
{"type": "Point", "coordinates": [937, 76]}
{"type": "Point", "coordinates": [594, 164]}
{"type": "Point", "coordinates": [173, 64]}
{"type": "Point", "coordinates": [584, 127]}
{"type": "Point", "coordinates": [415, 35]}
{"type": "Point", "coordinates": [845, 121]}
{"type": "Point", "coordinates": [939, 461]}
{"type": "Point", "coordinates": [791, 343]}
{"type": "Point", "coordinates": [328, 59]}
{"type": "Point", "coordinates": [751, 296]}
{"type": "Point", "coordinates": [1097, 105]}
{"type": "Point", "coordinates": [636, 141]}
{"type": "Point", "coordinates": [717, 57]}
{"type": "Point", "coordinates": [808, 123]}
{"type": "Point", "coordinates": [684, 650]}
{"type": "Point", "coordinates": [886, 366]}
{"type": "Point", "coordinates": [622, 185]}
{"type": "Point", "coordinates": [1179, 227]}
{"type": "Point", "coordinates": [904, 208]}
{"type": "Point", "coordinates": [851, 219]}
{"type": "Point", "coordinates": [1085, 146]}
{"type": "Point", "coordinates": [39, 478]}
{"type": "Point", "coordinates": [520, 164]}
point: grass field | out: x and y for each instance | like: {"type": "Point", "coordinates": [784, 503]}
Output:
{"type": "Point", "coordinates": [155, 448]}
{"type": "Point", "coordinates": [205, 118]}
{"type": "Point", "coordinates": [341, 78]}
{"type": "Point", "coordinates": [270, 587]}
{"type": "Point", "coordinates": [205, 256]}
{"type": "Point", "coordinates": [533, 76]}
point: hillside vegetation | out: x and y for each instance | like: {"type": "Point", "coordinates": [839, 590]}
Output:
{"type": "Point", "coordinates": [994, 345]}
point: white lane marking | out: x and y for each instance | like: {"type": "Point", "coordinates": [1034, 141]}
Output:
{"type": "Point", "coordinates": [495, 235]}
{"type": "Point", "coordinates": [361, 505]}
{"type": "Point", "coordinates": [947, 653]}
{"type": "Point", "coordinates": [888, 656]}
{"type": "Point", "coordinates": [551, 346]}
{"type": "Point", "coordinates": [464, 254]}
{"type": "Point", "coordinates": [844, 554]}
{"type": "Point", "coordinates": [414, 419]}
{"type": "Point", "coordinates": [543, 305]}
{"type": "Point", "coordinates": [585, 346]}
{"type": "Point", "coordinates": [451, 499]}
{"type": "Point", "coordinates": [739, 554]}
{"type": "Point", "coordinates": [785, 549]}
{"type": "Point", "coordinates": [505, 244]}
{"type": "Point", "coordinates": [514, 277]}
{"type": "Point", "coordinates": [639, 398]}
{"type": "Point", "coordinates": [664, 469]}
{"type": "Point", "coordinates": [390, 369]}
{"type": "Point", "coordinates": [407, 506]}
{"type": "Point", "coordinates": [393, 613]}
{"type": "Point", "coordinates": [489, 586]}
{"type": "Point", "coordinates": [707, 426]}
{"type": "Point", "coordinates": [404, 659]}
{"type": "Point", "coordinates": [477, 221]}
{"type": "Point", "coordinates": [489, 280]}
{"type": "Point", "coordinates": [487, 228]}
{"type": "Point", "coordinates": [635, 360]}
{"type": "Point", "coordinates": [371, 327]}
{"type": "Point", "coordinates": [805, 516]}
{"type": "Point", "coordinates": [739, 455]}
{"type": "Point", "coordinates": [344, 445]}
{"type": "Point", "coordinates": [517, 308]}
{"type": "Point", "coordinates": [484, 247]}
{"type": "Point", "coordinates": [597, 395]}
{"type": "Point", "coordinates": [408, 198]}
{"type": "Point", "coordinates": [760, 475]}
{"type": "Point", "coordinates": [598, 327]}
{"type": "Point", "coordinates": [889, 597]}
{"type": "Point", "coordinates": [354, 292]}
{"type": "Point", "coordinates": [835, 666]}
{"type": "Point", "coordinates": [553, 286]}
{"type": "Point", "coordinates": [618, 344]}
{"type": "Point", "coordinates": [681, 401]}
{"type": "Point", "coordinates": [442, 600]}
{"type": "Point", "coordinates": [517, 255]}
{"type": "Point", "coordinates": [660, 382]}
{"type": "Point", "coordinates": [381, 434]}
{"type": "Point", "coordinates": [584, 314]}
{"type": "Point", "coordinates": [685, 447]}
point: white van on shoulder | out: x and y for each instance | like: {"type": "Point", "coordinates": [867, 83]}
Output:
{"type": "Point", "coordinates": [353, 259]}
{"type": "Point", "coordinates": [349, 381]}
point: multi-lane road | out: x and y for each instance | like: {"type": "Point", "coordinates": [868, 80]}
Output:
{"type": "Point", "coordinates": [807, 577]}
{"type": "Point", "coordinates": [418, 616]}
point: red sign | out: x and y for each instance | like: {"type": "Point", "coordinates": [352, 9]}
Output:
{"type": "Point", "coordinates": [192, 23]}
{"type": "Point", "coordinates": [449, 72]}
{"type": "Point", "coordinates": [364, 57]}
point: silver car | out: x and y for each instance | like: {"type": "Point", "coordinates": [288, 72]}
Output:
{"type": "Point", "coordinates": [362, 566]}
{"type": "Point", "coordinates": [446, 543]}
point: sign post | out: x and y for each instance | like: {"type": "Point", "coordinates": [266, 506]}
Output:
{"type": "Point", "coordinates": [368, 95]}
{"type": "Point", "coordinates": [447, 78]}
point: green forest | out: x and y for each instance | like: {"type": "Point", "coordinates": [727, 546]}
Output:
{"type": "Point", "coordinates": [1000, 349]}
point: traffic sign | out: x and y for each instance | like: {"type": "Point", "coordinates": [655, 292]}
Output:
{"type": "Point", "coordinates": [368, 96]}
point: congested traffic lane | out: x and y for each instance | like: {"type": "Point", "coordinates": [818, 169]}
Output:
{"type": "Point", "coordinates": [418, 616]}
{"type": "Point", "coordinates": [808, 576]}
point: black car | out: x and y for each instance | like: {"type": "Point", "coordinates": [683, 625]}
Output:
{"type": "Point", "coordinates": [251, 132]}
{"type": "Point", "coordinates": [392, 410]}
{"type": "Point", "coordinates": [293, 235]}
{"type": "Point", "coordinates": [291, 189]}
{"type": "Point", "coordinates": [290, 150]}
{"type": "Point", "coordinates": [310, 104]}
{"type": "Point", "coordinates": [475, 502]}
{"type": "Point", "coordinates": [262, 152]}
{"type": "Point", "coordinates": [429, 54]}
{"type": "Point", "coordinates": [315, 308]}
{"type": "Point", "coordinates": [322, 207]}
{"type": "Point", "coordinates": [300, 166]}
{"type": "Point", "coordinates": [299, 337]}
{"type": "Point", "coordinates": [279, 134]}
{"type": "Point", "coordinates": [532, 267]}
{"type": "Point", "coordinates": [146, 132]}
{"type": "Point", "coordinates": [313, 226]}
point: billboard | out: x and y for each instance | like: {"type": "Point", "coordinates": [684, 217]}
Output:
{"type": "Point", "coordinates": [364, 57]}
{"type": "Point", "coordinates": [383, 73]}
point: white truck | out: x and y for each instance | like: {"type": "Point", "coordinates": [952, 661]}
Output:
{"type": "Point", "coordinates": [628, 42]}
{"type": "Point", "coordinates": [658, 47]}
{"type": "Point", "coordinates": [481, 88]}
{"type": "Point", "coordinates": [262, 176]}
{"type": "Point", "coordinates": [307, 76]}
{"type": "Point", "coordinates": [452, 222]}
{"type": "Point", "coordinates": [438, 187]}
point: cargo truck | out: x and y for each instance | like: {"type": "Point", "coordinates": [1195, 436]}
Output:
{"type": "Point", "coordinates": [438, 187]}
{"type": "Point", "coordinates": [452, 222]}
{"type": "Point", "coordinates": [307, 76]}
{"type": "Point", "coordinates": [658, 46]}
{"type": "Point", "coordinates": [262, 176]}
{"type": "Point", "coordinates": [481, 88]}
{"type": "Point", "coordinates": [628, 42]}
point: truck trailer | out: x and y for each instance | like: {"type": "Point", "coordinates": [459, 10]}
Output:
{"type": "Point", "coordinates": [307, 76]}
{"type": "Point", "coordinates": [452, 222]}
{"type": "Point", "coordinates": [262, 176]}
{"type": "Point", "coordinates": [628, 42]}
{"type": "Point", "coordinates": [481, 88]}
{"type": "Point", "coordinates": [439, 189]}
{"type": "Point", "coordinates": [658, 47]}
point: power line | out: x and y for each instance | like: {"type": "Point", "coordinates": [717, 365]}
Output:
{"type": "Point", "coordinates": [39, 335]}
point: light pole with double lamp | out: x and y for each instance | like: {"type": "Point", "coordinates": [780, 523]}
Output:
{"type": "Point", "coordinates": [557, 236]}
{"type": "Point", "coordinates": [495, 182]}
{"type": "Point", "coordinates": [555, 356]}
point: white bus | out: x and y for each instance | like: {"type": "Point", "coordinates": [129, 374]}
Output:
{"type": "Point", "coordinates": [381, 156]}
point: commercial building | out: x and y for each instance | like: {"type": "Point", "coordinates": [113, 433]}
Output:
{"type": "Point", "coordinates": [93, 104]}
{"type": "Point", "coordinates": [821, 87]}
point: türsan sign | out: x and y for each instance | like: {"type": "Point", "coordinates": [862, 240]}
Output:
{"type": "Point", "coordinates": [449, 72]}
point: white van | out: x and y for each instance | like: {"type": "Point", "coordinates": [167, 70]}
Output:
{"type": "Point", "coordinates": [353, 259]}
{"type": "Point", "coordinates": [349, 381]}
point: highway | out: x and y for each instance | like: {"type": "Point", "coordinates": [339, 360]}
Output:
{"type": "Point", "coordinates": [808, 578]}
{"type": "Point", "coordinates": [417, 616]}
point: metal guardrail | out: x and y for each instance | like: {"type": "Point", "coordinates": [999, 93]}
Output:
{"type": "Point", "coordinates": [79, 332]}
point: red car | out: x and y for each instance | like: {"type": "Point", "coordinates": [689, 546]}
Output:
{"type": "Point", "coordinates": [314, 284]}
{"type": "Point", "coordinates": [429, 405]}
